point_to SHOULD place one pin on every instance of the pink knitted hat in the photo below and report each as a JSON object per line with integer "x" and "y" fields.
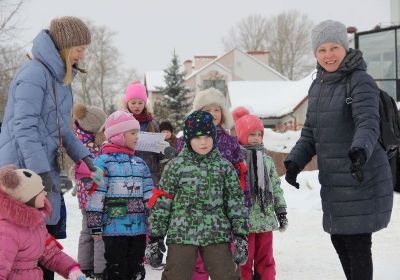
{"x": 245, "y": 123}
{"x": 117, "y": 124}
{"x": 136, "y": 90}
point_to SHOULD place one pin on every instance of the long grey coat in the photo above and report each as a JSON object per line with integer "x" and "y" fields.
{"x": 331, "y": 128}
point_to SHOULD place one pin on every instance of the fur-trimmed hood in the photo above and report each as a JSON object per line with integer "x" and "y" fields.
{"x": 21, "y": 214}
{"x": 214, "y": 96}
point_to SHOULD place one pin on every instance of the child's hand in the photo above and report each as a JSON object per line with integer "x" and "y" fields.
{"x": 154, "y": 251}
{"x": 241, "y": 251}
{"x": 283, "y": 222}
{"x": 97, "y": 176}
{"x": 161, "y": 145}
{"x": 76, "y": 274}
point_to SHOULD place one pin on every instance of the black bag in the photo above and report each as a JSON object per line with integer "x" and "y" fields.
{"x": 390, "y": 129}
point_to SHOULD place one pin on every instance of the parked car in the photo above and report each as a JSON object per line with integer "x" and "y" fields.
{"x": 65, "y": 183}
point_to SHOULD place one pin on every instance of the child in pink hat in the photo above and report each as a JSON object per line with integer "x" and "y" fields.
{"x": 117, "y": 210}
{"x": 268, "y": 212}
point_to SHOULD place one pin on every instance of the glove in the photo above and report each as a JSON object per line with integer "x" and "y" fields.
{"x": 358, "y": 159}
{"x": 292, "y": 169}
{"x": 154, "y": 251}
{"x": 240, "y": 252}
{"x": 283, "y": 222}
{"x": 48, "y": 184}
{"x": 89, "y": 162}
{"x": 76, "y": 274}
{"x": 161, "y": 145}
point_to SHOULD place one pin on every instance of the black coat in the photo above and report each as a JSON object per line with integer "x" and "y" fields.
{"x": 331, "y": 128}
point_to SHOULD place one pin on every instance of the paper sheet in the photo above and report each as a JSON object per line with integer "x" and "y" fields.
{"x": 147, "y": 140}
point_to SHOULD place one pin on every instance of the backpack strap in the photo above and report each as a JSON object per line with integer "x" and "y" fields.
{"x": 349, "y": 99}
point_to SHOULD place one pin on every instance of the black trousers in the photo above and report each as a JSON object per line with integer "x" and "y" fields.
{"x": 355, "y": 255}
{"x": 48, "y": 274}
{"x": 124, "y": 256}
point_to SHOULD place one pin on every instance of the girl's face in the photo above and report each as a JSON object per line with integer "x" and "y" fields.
{"x": 77, "y": 53}
{"x": 136, "y": 106}
{"x": 330, "y": 56}
{"x": 202, "y": 144}
{"x": 214, "y": 110}
{"x": 168, "y": 134}
{"x": 255, "y": 137}
{"x": 39, "y": 201}
{"x": 131, "y": 137}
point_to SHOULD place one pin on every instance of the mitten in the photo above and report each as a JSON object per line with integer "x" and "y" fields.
{"x": 48, "y": 184}
{"x": 241, "y": 252}
{"x": 154, "y": 251}
{"x": 358, "y": 159}
{"x": 292, "y": 169}
{"x": 89, "y": 162}
{"x": 283, "y": 222}
{"x": 161, "y": 145}
{"x": 76, "y": 274}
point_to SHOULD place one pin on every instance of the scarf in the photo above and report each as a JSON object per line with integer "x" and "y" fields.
{"x": 142, "y": 118}
{"x": 111, "y": 148}
{"x": 260, "y": 183}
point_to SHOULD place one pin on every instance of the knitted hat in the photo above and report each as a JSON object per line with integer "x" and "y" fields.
{"x": 136, "y": 90}
{"x": 117, "y": 124}
{"x": 329, "y": 31}
{"x": 214, "y": 96}
{"x": 69, "y": 32}
{"x": 89, "y": 118}
{"x": 199, "y": 123}
{"x": 245, "y": 123}
{"x": 166, "y": 126}
{"x": 20, "y": 184}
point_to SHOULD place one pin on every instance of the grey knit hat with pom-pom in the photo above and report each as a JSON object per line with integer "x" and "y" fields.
{"x": 329, "y": 31}
{"x": 69, "y": 32}
{"x": 89, "y": 118}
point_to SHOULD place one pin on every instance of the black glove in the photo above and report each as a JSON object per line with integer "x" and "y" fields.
{"x": 358, "y": 159}
{"x": 241, "y": 251}
{"x": 292, "y": 169}
{"x": 283, "y": 222}
{"x": 48, "y": 183}
{"x": 89, "y": 162}
{"x": 154, "y": 251}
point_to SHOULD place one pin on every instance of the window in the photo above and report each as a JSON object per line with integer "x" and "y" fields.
{"x": 219, "y": 84}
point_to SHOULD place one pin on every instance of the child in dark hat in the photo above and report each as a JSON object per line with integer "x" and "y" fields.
{"x": 198, "y": 183}
{"x": 168, "y": 129}
{"x": 25, "y": 241}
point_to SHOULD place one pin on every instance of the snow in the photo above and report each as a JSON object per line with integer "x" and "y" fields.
{"x": 280, "y": 142}
{"x": 273, "y": 98}
{"x": 304, "y": 250}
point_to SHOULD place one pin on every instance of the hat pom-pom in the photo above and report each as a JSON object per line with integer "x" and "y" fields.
{"x": 8, "y": 177}
{"x": 134, "y": 82}
{"x": 239, "y": 112}
{"x": 79, "y": 111}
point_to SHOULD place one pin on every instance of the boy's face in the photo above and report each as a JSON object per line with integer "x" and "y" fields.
{"x": 202, "y": 144}
{"x": 168, "y": 134}
{"x": 255, "y": 137}
{"x": 131, "y": 137}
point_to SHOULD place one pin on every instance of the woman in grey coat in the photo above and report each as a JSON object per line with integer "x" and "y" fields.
{"x": 38, "y": 110}
{"x": 354, "y": 172}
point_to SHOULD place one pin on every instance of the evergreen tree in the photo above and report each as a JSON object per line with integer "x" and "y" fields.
{"x": 174, "y": 105}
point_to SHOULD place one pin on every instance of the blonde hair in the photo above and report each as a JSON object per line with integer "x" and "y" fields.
{"x": 65, "y": 53}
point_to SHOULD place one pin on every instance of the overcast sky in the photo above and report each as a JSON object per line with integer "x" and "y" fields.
{"x": 149, "y": 30}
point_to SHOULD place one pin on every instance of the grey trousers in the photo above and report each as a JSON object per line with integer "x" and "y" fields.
{"x": 90, "y": 251}
{"x": 217, "y": 258}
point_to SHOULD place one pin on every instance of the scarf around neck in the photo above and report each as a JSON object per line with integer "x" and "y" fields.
{"x": 260, "y": 183}
{"x": 142, "y": 118}
{"x": 112, "y": 148}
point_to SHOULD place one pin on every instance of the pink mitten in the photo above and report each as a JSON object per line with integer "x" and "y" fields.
{"x": 82, "y": 170}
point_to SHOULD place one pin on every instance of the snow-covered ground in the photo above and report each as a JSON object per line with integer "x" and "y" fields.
{"x": 304, "y": 251}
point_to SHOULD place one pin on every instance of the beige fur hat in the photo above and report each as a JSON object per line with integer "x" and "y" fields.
{"x": 20, "y": 184}
{"x": 89, "y": 118}
{"x": 214, "y": 96}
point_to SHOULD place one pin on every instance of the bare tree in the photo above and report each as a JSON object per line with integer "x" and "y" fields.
{"x": 106, "y": 77}
{"x": 249, "y": 34}
{"x": 289, "y": 44}
{"x": 10, "y": 22}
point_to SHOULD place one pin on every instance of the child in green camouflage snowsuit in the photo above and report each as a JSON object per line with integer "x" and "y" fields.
{"x": 199, "y": 207}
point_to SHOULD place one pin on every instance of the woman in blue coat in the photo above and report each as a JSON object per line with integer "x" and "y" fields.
{"x": 38, "y": 110}
{"x": 354, "y": 171}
